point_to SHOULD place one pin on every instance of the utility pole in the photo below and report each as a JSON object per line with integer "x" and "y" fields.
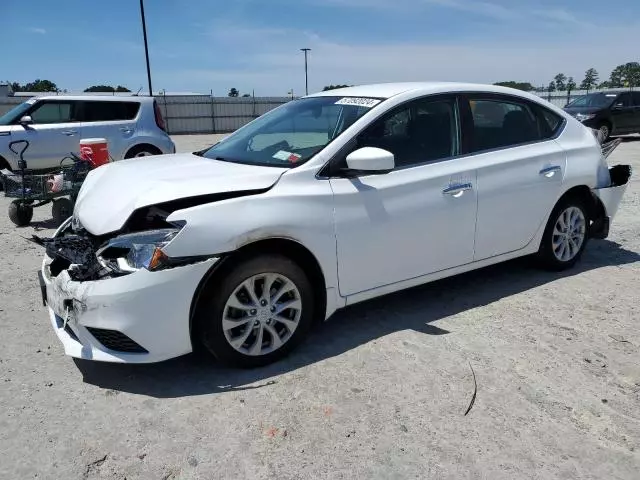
{"x": 306, "y": 76}
{"x": 146, "y": 48}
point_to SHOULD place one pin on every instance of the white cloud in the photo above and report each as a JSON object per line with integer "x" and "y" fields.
{"x": 38, "y": 30}
{"x": 277, "y": 65}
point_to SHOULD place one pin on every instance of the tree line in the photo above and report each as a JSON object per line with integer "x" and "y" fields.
{"x": 39, "y": 85}
{"x": 623, "y": 76}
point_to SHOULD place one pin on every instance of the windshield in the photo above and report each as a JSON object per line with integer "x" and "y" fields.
{"x": 594, "y": 100}
{"x": 293, "y": 133}
{"x": 15, "y": 112}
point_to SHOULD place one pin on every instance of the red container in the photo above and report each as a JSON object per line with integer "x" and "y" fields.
{"x": 95, "y": 151}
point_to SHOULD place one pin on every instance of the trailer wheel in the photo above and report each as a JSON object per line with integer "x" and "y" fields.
{"x": 61, "y": 210}
{"x": 20, "y": 213}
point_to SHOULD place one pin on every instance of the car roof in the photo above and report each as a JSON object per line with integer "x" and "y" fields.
{"x": 388, "y": 90}
{"x": 101, "y": 98}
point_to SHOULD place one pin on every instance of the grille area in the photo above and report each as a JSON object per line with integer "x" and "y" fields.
{"x": 117, "y": 341}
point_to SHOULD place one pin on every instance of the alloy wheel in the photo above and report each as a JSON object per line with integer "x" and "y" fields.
{"x": 568, "y": 234}
{"x": 261, "y": 314}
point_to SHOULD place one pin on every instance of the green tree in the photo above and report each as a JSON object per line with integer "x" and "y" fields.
{"x": 571, "y": 84}
{"x": 106, "y": 88}
{"x": 35, "y": 86}
{"x": 526, "y": 86}
{"x": 560, "y": 81}
{"x": 605, "y": 84}
{"x": 246, "y": 95}
{"x": 627, "y": 75}
{"x": 590, "y": 80}
{"x": 100, "y": 88}
{"x": 333, "y": 87}
{"x": 551, "y": 87}
{"x": 234, "y": 92}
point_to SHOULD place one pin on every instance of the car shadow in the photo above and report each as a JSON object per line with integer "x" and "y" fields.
{"x": 49, "y": 224}
{"x": 630, "y": 138}
{"x": 416, "y": 309}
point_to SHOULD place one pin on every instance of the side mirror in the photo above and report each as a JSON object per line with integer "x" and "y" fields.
{"x": 371, "y": 160}
{"x": 618, "y": 106}
{"x": 26, "y": 120}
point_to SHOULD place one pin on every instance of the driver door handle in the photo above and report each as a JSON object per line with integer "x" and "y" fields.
{"x": 457, "y": 189}
{"x": 550, "y": 171}
{"x": 69, "y": 133}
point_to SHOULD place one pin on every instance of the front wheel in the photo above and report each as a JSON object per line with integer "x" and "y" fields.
{"x": 565, "y": 236}
{"x": 20, "y": 213}
{"x": 256, "y": 313}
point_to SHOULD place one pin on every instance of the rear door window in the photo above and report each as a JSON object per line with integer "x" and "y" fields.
{"x": 53, "y": 111}
{"x": 96, "y": 111}
{"x": 623, "y": 100}
{"x": 635, "y": 96}
{"x": 501, "y": 123}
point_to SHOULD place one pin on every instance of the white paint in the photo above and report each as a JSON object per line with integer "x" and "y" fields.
{"x": 371, "y": 235}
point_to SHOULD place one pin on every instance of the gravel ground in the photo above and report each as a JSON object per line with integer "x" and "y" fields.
{"x": 380, "y": 391}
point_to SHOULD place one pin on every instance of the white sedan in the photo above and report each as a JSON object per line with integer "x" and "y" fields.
{"x": 324, "y": 202}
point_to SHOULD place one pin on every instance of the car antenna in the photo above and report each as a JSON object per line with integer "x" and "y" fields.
{"x": 137, "y": 93}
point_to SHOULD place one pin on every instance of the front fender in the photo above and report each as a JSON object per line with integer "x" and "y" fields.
{"x": 302, "y": 213}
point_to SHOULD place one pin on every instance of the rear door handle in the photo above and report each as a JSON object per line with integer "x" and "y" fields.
{"x": 126, "y": 130}
{"x": 69, "y": 133}
{"x": 550, "y": 171}
{"x": 457, "y": 189}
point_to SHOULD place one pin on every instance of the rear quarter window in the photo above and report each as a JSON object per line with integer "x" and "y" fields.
{"x": 95, "y": 111}
{"x": 551, "y": 122}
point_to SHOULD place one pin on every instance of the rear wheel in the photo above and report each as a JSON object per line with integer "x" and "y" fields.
{"x": 256, "y": 313}
{"x": 142, "y": 151}
{"x": 566, "y": 234}
{"x": 20, "y": 213}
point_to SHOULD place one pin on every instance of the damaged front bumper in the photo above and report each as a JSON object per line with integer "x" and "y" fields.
{"x": 142, "y": 317}
{"x": 610, "y": 198}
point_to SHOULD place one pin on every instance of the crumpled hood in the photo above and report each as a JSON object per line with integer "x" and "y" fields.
{"x": 112, "y": 192}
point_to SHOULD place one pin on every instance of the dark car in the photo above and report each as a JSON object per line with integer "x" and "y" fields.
{"x": 612, "y": 113}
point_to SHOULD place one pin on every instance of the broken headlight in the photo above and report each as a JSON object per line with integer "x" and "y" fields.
{"x": 133, "y": 251}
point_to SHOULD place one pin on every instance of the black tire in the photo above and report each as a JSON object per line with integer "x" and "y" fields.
{"x": 19, "y": 213}
{"x": 61, "y": 209}
{"x": 546, "y": 255}
{"x": 142, "y": 151}
{"x": 211, "y": 308}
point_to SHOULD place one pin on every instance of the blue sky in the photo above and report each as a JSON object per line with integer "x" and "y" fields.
{"x": 203, "y": 45}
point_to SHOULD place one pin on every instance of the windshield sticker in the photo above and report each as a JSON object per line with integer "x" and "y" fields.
{"x": 287, "y": 156}
{"x": 358, "y": 102}
{"x": 611, "y": 95}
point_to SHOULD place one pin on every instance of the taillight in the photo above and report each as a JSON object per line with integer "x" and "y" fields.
{"x": 158, "y": 114}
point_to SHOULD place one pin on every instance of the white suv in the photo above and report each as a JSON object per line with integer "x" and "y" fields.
{"x": 54, "y": 125}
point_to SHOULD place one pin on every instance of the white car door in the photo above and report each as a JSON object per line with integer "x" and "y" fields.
{"x": 520, "y": 171}
{"x": 54, "y": 133}
{"x": 419, "y": 218}
{"x": 114, "y": 121}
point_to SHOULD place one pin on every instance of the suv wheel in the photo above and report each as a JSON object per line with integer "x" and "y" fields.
{"x": 142, "y": 151}
{"x": 257, "y": 313}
